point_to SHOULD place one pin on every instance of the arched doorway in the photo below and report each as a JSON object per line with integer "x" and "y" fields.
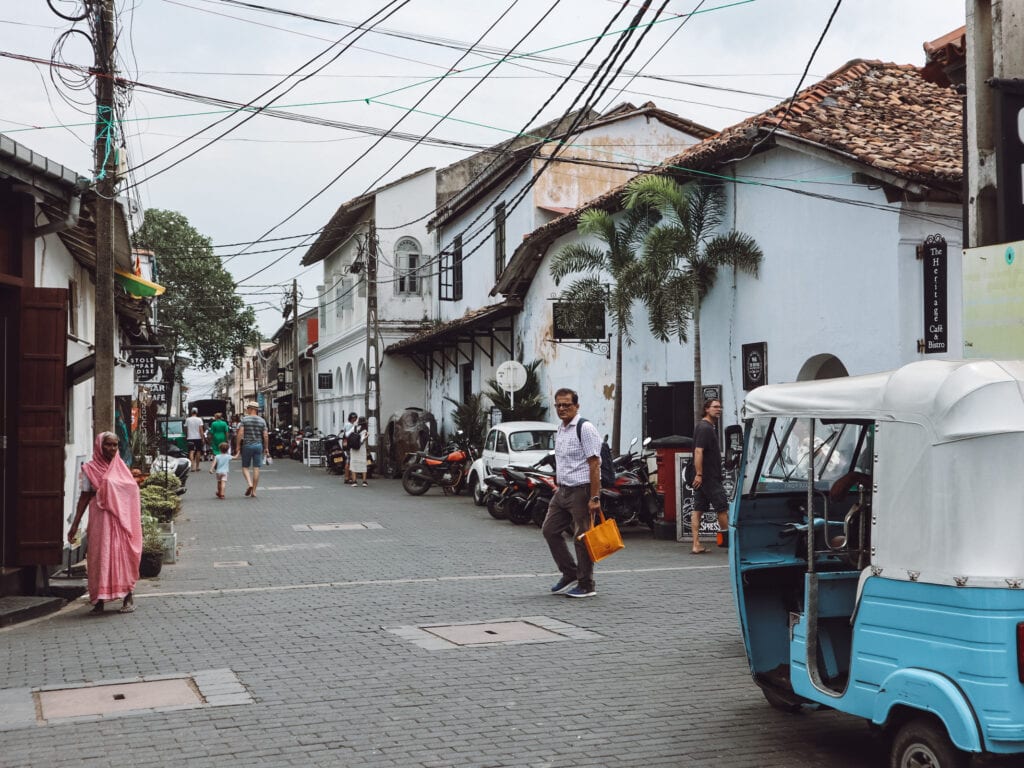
{"x": 823, "y": 366}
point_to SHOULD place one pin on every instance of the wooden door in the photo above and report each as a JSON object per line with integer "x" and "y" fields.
{"x": 40, "y": 425}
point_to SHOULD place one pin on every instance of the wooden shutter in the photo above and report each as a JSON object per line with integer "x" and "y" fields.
{"x": 41, "y": 414}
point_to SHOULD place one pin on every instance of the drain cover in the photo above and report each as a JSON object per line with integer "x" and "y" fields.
{"x": 336, "y": 526}
{"x": 499, "y": 632}
{"x": 108, "y": 699}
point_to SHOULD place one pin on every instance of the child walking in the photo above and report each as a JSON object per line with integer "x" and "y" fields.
{"x": 221, "y": 464}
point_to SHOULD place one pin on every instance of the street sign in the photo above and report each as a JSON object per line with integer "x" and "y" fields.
{"x": 144, "y": 365}
{"x": 935, "y": 295}
{"x": 511, "y": 377}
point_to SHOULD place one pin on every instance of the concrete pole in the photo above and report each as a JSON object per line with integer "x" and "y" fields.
{"x": 995, "y": 49}
{"x": 296, "y": 414}
{"x": 105, "y": 321}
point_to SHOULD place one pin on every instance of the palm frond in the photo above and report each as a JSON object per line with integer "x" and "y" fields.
{"x": 705, "y": 209}
{"x": 576, "y": 257}
{"x": 736, "y": 249}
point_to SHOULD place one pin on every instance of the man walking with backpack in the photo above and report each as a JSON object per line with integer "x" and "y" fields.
{"x": 578, "y": 498}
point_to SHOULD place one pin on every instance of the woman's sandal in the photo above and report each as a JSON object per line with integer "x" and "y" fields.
{"x": 128, "y": 604}
{"x": 701, "y": 551}
{"x": 98, "y": 607}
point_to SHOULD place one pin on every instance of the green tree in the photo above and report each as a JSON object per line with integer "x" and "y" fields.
{"x": 631, "y": 280}
{"x": 687, "y": 250}
{"x": 200, "y": 314}
{"x": 529, "y": 401}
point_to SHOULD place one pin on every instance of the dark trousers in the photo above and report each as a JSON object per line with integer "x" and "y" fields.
{"x": 568, "y": 512}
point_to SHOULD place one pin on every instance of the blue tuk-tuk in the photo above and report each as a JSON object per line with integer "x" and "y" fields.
{"x": 877, "y": 553}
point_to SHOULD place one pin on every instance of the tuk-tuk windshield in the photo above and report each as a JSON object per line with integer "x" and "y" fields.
{"x": 781, "y": 447}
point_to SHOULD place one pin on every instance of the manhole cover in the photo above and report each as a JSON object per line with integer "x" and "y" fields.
{"x": 232, "y": 564}
{"x": 499, "y": 632}
{"x": 336, "y": 526}
{"x": 108, "y": 699}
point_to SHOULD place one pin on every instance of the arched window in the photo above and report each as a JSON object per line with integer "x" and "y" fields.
{"x": 408, "y": 259}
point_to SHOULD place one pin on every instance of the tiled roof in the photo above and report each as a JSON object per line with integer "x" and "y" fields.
{"x": 883, "y": 116}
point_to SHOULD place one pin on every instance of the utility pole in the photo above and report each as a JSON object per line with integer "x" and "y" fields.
{"x": 295, "y": 354}
{"x": 372, "y": 402}
{"x": 995, "y": 121}
{"x": 105, "y": 324}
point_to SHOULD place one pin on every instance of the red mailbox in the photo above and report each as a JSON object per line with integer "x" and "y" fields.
{"x": 666, "y": 449}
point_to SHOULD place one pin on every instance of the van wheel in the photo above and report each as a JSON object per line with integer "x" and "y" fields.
{"x": 924, "y": 743}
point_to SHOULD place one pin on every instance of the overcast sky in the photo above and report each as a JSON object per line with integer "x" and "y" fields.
{"x": 265, "y": 171}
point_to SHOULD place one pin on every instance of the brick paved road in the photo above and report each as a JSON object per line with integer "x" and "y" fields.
{"x": 306, "y": 628}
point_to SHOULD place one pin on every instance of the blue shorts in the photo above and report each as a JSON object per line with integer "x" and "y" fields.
{"x": 195, "y": 445}
{"x": 252, "y": 455}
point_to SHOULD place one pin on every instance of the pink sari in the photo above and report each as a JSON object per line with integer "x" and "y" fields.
{"x": 115, "y": 526}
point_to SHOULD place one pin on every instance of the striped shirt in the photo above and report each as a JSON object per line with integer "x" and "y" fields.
{"x": 253, "y": 429}
{"x": 571, "y": 454}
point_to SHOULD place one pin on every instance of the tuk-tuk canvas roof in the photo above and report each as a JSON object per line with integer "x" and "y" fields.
{"x": 948, "y": 464}
{"x": 955, "y": 399}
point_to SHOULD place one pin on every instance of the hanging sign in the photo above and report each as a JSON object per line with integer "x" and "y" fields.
{"x": 935, "y": 298}
{"x": 755, "y": 365}
{"x": 144, "y": 365}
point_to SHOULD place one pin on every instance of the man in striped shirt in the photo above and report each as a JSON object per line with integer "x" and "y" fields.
{"x": 578, "y": 498}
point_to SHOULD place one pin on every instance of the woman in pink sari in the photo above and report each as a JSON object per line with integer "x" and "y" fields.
{"x": 115, "y": 525}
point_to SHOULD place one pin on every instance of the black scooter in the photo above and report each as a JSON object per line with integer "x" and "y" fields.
{"x": 335, "y": 455}
{"x": 174, "y": 462}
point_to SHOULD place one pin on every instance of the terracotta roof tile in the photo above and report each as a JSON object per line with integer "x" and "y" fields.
{"x": 886, "y": 116}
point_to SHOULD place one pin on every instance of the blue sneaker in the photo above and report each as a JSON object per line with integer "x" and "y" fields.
{"x": 581, "y": 592}
{"x": 564, "y": 585}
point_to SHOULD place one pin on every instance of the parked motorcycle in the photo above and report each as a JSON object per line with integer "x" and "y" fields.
{"x": 448, "y": 470}
{"x": 493, "y": 496}
{"x": 334, "y": 454}
{"x": 174, "y": 462}
{"x": 278, "y": 443}
{"x": 633, "y": 498}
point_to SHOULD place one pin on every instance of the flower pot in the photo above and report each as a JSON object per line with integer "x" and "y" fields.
{"x": 170, "y": 540}
{"x": 150, "y": 564}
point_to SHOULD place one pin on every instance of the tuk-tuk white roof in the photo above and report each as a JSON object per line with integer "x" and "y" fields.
{"x": 956, "y": 399}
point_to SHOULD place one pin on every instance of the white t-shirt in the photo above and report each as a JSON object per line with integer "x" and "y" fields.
{"x": 193, "y": 428}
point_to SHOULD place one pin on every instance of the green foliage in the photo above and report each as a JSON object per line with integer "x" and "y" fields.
{"x": 201, "y": 315}
{"x": 471, "y": 418}
{"x": 159, "y": 503}
{"x": 167, "y": 480}
{"x": 152, "y": 538}
{"x": 529, "y": 402}
{"x": 138, "y": 443}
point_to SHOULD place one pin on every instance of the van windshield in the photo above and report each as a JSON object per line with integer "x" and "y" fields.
{"x": 783, "y": 450}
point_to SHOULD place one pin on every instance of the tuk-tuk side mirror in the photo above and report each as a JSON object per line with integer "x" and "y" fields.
{"x": 733, "y": 445}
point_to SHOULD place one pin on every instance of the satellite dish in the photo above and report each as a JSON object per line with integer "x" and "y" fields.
{"x": 511, "y": 377}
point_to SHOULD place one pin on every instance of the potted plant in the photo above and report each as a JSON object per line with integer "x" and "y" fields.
{"x": 152, "y": 548}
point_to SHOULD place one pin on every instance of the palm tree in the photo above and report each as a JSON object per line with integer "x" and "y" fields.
{"x": 630, "y": 280}
{"x": 686, "y": 245}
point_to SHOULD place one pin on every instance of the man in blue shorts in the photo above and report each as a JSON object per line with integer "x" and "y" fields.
{"x": 253, "y": 443}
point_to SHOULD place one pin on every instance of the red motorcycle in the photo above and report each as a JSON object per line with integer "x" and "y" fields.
{"x": 448, "y": 470}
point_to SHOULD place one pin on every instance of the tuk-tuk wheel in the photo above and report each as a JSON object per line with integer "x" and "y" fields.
{"x": 780, "y": 702}
{"x": 924, "y": 743}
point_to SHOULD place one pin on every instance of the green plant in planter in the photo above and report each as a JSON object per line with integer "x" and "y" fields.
{"x": 152, "y": 538}
{"x": 167, "y": 480}
{"x": 161, "y": 507}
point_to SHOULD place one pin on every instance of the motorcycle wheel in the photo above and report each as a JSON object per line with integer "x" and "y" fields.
{"x": 413, "y": 484}
{"x": 538, "y": 512}
{"x": 518, "y": 514}
{"x": 495, "y": 509}
{"x": 478, "y": 495}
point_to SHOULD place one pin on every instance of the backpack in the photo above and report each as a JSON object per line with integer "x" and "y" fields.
{"x": 607, "y": 468}
{"x": 355, "y": 440}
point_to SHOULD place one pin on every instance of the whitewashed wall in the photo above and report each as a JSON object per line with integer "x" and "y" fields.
{"x": 837, "y": 279}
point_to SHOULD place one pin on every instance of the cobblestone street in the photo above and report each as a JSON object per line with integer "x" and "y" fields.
{"x": 308, "y": 647}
